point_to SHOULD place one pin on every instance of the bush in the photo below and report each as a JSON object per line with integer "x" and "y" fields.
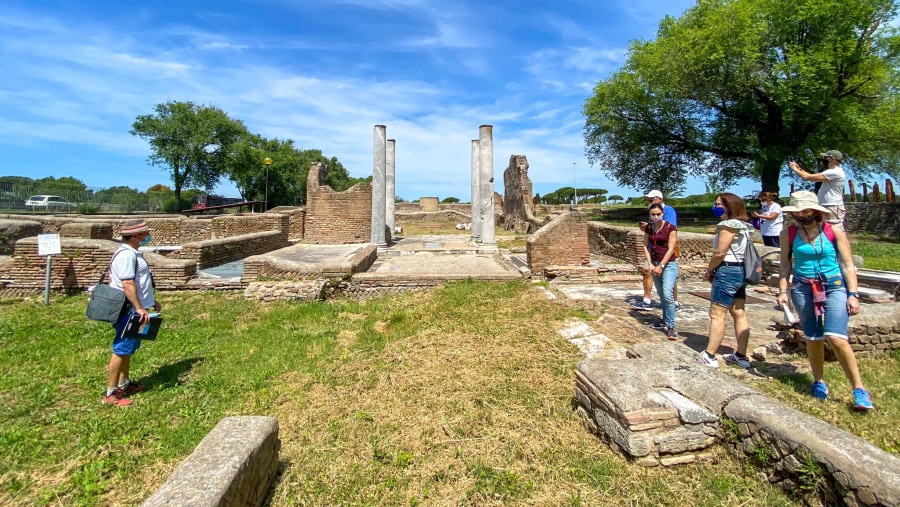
{"x": 88, "y": 208}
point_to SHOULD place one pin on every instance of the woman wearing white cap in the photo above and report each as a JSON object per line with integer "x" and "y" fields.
{"x": 824, "y": 290}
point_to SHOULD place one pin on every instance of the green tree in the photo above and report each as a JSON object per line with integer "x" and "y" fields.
{"x": 193, "y": 141}
{"x": 736, "y": 87}
{"x": 450, "y": 200}
{"x": 615, "y": 198}
{"x": 287, "y": 174}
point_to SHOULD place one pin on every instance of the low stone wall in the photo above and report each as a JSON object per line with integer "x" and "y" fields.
{"x": 431, "y": 217}
{"x": 296, "y": 220}
{"x": 167, "y": 230}
{"x": 304, "y": 290}
{"x": 283, "y": 268}
{"x": 215, "y": 252}
{"x": 875, "y": 332}
{"x": 662, "y": 408}
{"x": 564, "y": 241}
{"x": 879, "y": 218}
{"x": 80, "y": 265}
{"x": 234, "y": 465}
{"x": 87, "y": 230}
{"x": 626, "y": 243}
{"x": 14, "y": 230}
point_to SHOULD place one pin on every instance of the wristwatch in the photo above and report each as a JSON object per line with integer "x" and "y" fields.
{"x": 853, "y": 294}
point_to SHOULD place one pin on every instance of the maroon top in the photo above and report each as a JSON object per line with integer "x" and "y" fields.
{"x": 658, "y": 243}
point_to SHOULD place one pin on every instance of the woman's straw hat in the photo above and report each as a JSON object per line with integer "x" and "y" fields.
{"x": 804, "y": 199}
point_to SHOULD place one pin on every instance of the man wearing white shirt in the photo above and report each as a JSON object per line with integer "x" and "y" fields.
{"x": 831, "y": 193}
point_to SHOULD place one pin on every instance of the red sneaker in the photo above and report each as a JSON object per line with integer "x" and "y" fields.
{"x": 133, "y": 388}
{"x": 117, "y": 398}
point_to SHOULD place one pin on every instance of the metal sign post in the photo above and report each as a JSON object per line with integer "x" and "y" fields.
{"x": 49, "y": 245}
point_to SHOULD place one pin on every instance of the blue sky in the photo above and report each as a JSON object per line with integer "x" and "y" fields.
{"x": 74, "y": 75}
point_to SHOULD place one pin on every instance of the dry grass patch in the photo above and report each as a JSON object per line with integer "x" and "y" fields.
{"x": 475, "y": 411}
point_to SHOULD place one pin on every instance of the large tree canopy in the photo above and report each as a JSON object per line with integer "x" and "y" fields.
{"x": 193, "y": 141}
{"x": 734, "y": 88}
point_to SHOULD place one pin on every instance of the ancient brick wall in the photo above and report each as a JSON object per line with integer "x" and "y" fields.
{"x": 296, "y": 218}
{"x": 564, "y": 241}
{"x": 431, "y": 217}
{"x": 240, "y": 225}
{"x": 195, "y": 229}
{"x": 337, "y": 217}
{"x": 879, "y": 218}
{"x": 80, "y": 265}
{"x": 215, "y": 252}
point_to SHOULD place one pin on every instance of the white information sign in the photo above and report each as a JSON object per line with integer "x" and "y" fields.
{"x": 48, "y": 244}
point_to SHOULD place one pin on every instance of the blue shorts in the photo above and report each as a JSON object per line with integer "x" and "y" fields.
{"x": 836, "y": 318}
{"x": 728, "y": 285}
{"x": 124, "y": 346}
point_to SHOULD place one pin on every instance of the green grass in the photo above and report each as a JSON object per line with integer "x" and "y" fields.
{"x": 877, "y": 254}
{"x": 427, "y": 398}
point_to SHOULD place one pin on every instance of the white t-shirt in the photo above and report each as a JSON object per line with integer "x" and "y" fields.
{"x": 738, "y": 243}
{"x": 831, "y": 193}
{"x": 771, "y": 227}
{"x": 122, "y": 268}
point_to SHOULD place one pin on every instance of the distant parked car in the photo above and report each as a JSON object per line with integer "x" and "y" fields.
{"x": 49, "y": 202}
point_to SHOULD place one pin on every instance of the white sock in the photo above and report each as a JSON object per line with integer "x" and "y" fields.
{"x": 110, "y": 391}
{"x": 124, "y": 383}
{"x": 646, "y": 301}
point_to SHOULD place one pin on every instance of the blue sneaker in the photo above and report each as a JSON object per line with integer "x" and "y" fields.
{"x": 861, "y": 399}
{"x": 677, "y": 306}
{"x": 820, "y": 390}
{"x": 642, "y": 305}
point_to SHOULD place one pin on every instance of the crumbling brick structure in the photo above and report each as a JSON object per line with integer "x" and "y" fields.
{"x": 564, "y": 241}
{"x": 518, "y": 207}
{"x": 336, "y": 217}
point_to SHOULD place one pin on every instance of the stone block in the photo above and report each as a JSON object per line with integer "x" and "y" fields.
{"x": 234, "y": 465}
{"x": 633, "y": 444}
{"x": 688, "y": 411}
{"x": 87, "y": 230}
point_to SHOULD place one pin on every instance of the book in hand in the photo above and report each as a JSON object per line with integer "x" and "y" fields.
{"x": 148, "y": 331}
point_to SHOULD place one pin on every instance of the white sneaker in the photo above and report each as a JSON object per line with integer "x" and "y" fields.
{"x": 734, "y": 359}
{"x": 706, "y": 361}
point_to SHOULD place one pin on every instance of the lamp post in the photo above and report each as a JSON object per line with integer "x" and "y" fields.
{"x": 267, "y": 161}
{"x": 575, "y": 178}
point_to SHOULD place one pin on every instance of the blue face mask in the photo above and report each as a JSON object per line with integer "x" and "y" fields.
{"x": 718, "y": 211}
{"x": 146, "y": 240}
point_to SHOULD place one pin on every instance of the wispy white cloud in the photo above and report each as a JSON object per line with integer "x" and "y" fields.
{"x": 431, "y": 71}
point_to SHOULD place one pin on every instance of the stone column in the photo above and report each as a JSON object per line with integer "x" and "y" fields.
{"x": 476, "y": 193}
{"x": 486, "y": 181}
{"x": 378, "y": 187}
{"x": 390, "y": 192}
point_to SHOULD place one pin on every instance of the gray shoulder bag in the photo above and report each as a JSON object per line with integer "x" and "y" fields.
{"x": 107, "y": 303}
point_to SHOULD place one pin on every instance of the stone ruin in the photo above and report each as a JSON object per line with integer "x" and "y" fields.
{"x": 518, "y": 206}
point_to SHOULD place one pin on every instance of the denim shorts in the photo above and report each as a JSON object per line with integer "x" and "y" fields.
{"x": 124, "y": 346}
{"x": 836, "y": 317}
{"x": 728, "y": 285}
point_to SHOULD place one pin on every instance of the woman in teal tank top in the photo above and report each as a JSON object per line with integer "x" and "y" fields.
{"x": 823, "y": 289}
